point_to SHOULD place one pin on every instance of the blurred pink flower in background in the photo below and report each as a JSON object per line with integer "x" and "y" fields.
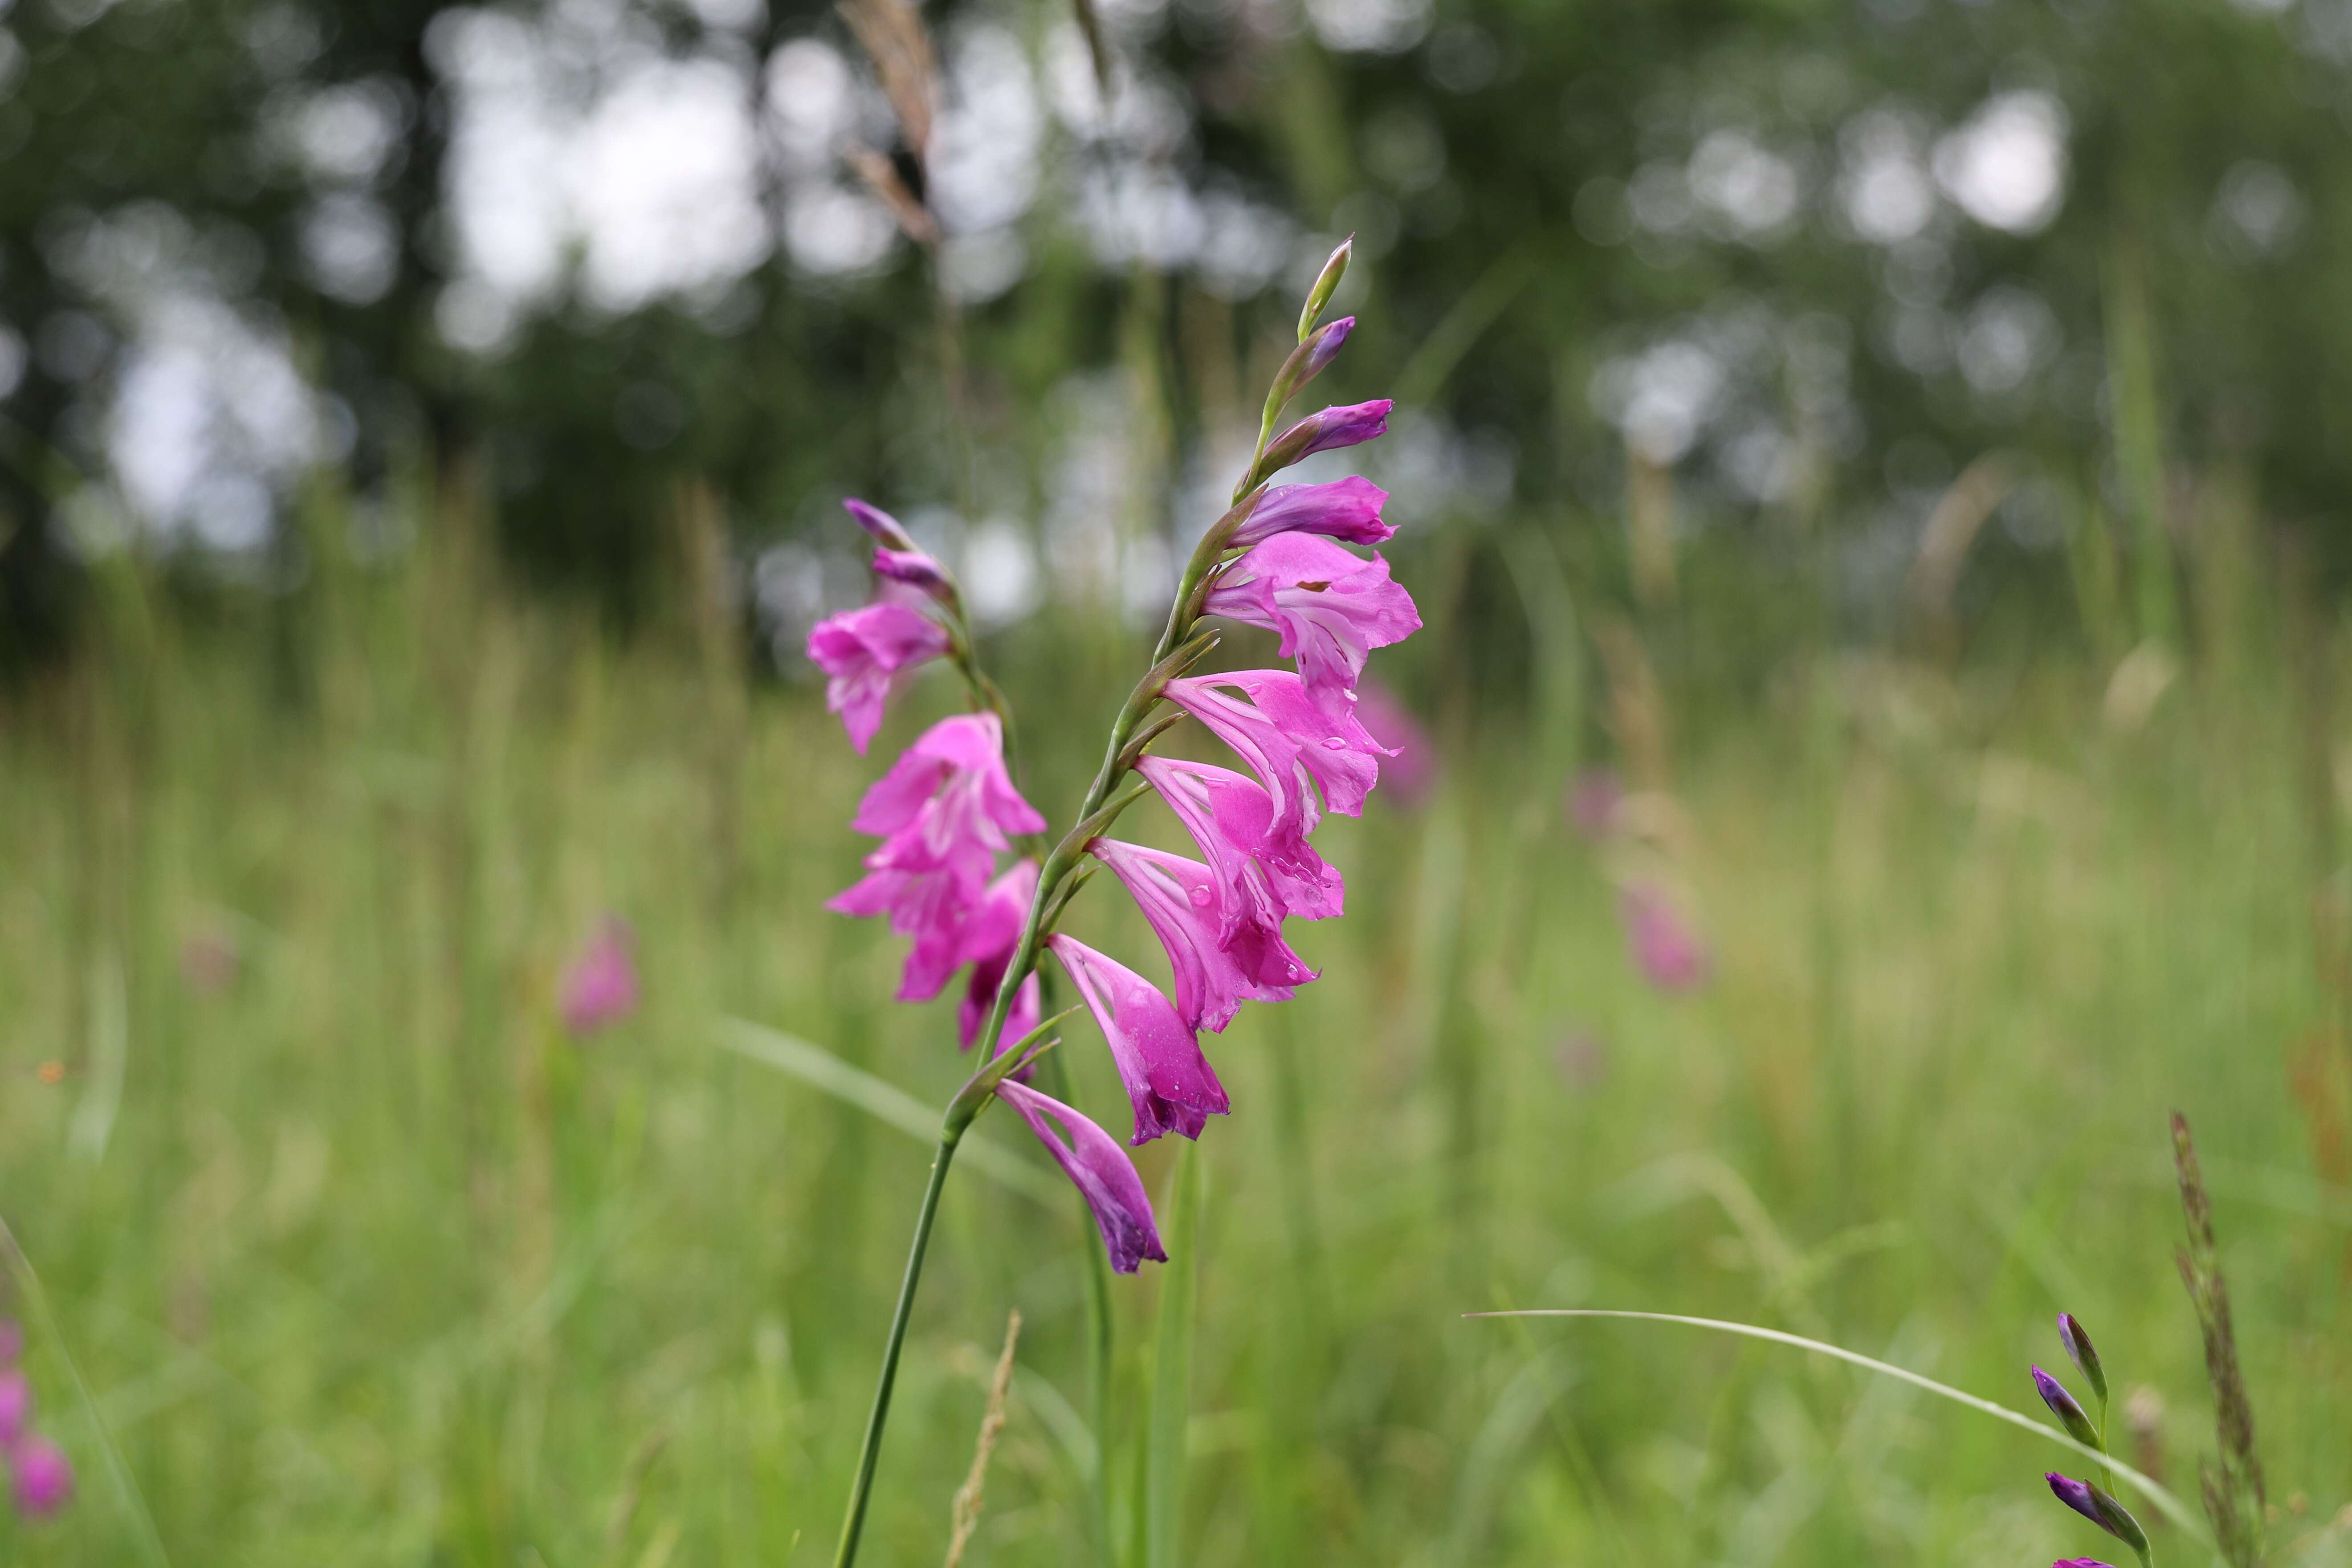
{"x": 1666, "y": 948}
{"x": 1582, "y": 1057}
{"x": 1593, "y": 799}
{"x": 209, "y": 961}
{"x": 1412, "y": 773}
{"x": 41, "y": 1480}
{"x": 599, "y": 986}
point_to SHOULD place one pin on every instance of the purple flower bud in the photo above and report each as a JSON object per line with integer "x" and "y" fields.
{"x": 2100, "y": 1510}
{"x": 1347, "y": 425}
{"x": 885, "y": 528}
{"x": 43, "y": 1478}
{"x": 15, "y": 1406}
{"x": 2079, "y": 1351}
{"x": 1320, "y": 349}
{"x": 917, "y": 570}
{"x": 1347, "y": 508}
{"x": 2062, "y": 1405}
{"x": 2076, "y": 1495}
{"x": 1327, "y": 283}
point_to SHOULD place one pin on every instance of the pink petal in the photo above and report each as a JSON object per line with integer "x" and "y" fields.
{"x": 1215, "y": 970}
{"x": 1102, "y": 1173}
{"x": 1232, "y": 819}
{"x": 1331, "y": 608}
{"x": 1157, "y": 1057}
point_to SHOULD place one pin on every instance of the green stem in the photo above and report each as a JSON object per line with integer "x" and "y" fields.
{"x": 854, "y": 1524}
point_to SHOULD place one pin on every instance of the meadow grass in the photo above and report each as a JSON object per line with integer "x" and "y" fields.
{"x": 365, "y": 1261}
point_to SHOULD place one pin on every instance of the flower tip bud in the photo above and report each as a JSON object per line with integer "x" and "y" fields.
{"x": 1327, "y": 283}
{"x": 2063, "y": 1405}
{"x": 884, "y": 528}
{"x": 2080, "y": 1350}
{"x": 2074, "y": 1494}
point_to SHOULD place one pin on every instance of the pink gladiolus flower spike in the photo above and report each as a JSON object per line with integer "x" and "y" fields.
{"x": 990, "y": 935}
{"x": 1158, "y": 1055}
{"x": 599, "y": 987}
{"x": 943, "y": 811}
{"x": 1215, "y": 971}
{"x": 865, "y": 656}
{"x": 43, "y": 1480}
{"x": 1102, "y": 1173}
{"x": 1232, "y": 819}
{"x": 1286, "y": 739}
{"x": 1332, "y": 609}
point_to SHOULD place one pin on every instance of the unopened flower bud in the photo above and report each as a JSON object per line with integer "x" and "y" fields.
{"x": 2100, "y": 1510}
{"x": 2076, "y": 1495}
{"x": 2079, "y": 1351}
{"x": 917, "y": 570}
{"x": 886, "y": 529}
{"x": 1321, "y": 432}
{"x": 2117, "y": 1520}
{"x": 2064, "y": 1407}
{"x": 1327, "y": 283}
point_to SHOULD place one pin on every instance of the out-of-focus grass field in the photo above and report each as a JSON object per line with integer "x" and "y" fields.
{"x": 365, "y": 1261}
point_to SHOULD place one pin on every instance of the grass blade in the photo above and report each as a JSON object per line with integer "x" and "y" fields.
{"x": 1172, "y": 1378}
{"x": 886, "y": 1102}
{"x": 2166, "y": 1503}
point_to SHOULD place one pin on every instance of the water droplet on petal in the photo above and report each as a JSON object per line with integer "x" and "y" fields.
{"x": 1200, "y": 897}
{"x": 1333, "y": 744}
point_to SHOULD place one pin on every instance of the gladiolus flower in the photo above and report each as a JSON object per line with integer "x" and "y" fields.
{"x": 600, "y": 987}
{"x": 989, "y": 934}
{"x": 943, "y": 811}
{"x": 885, "y": 529}
{"x": 1232, "y": 820}
{"x": 1670, "y": 954}
{"x": 1286, "y": 738}
{"x": 1330, "y": 606}
{"x": 865, "y": 655}
{"x": 1157, "y": 1057}
{"x": 929, "y": 906}
{"x": 1411, "y": 768}
{"x": 1347, "y": 508}
{"x": 1216, "y": 970}
{"x": 42, "y": 1479}
{"x": 2079, "y": 1562}
{"x": 15, "y": 1406}
{"x": 1326, "y": 431}
{"x": 1102, "y": 1173}
{"x": 948, "y": 800}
